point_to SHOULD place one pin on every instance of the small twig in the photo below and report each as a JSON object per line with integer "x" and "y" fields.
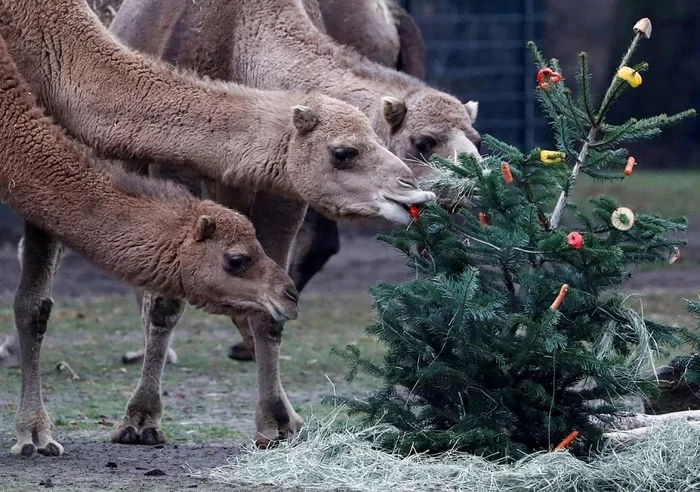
{"x": 486, "y": 243}
{"x": 63, "y": 365}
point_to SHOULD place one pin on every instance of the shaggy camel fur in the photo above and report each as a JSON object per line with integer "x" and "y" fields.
{"x": 125, "y": 105}
{"x": 157, "y": 236}
{"x": 273, "y": 44}
{"x": 381, "y": 30}
{"x": 385, "y": 33}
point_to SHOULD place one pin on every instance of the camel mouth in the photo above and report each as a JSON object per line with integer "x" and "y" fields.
{"x": 280, "y": 311}
{"x": 395, "y": 211}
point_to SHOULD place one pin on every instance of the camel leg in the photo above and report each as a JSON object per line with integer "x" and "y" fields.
{"x": 136, "y": 356}
{"x": 192, "y": 182}
{"x": 32, "y": 309}
{"x": 317, "y": 241}
{"x": 9, "y": 351}
{"x": 9, "y": 348}
{"x": 277, "y": 222}
{"x": 275, "y": 418}
{"x": 141, "y": 424}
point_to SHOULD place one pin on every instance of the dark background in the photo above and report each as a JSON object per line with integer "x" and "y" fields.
{"x": 476, "y": 50}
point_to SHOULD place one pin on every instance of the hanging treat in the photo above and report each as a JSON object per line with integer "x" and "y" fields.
{"x": 631, "y": 162}
{"x": 482, "y": 218}
{"x": 643, "y": 27}
{"x": 507, "y": 175}
{"x": 674, "y": 256}
{"x": 575, "y": 240}
{"x": 413, "y": 212}
{"x": 622, "y": 219}
{"x": 546, "y": 75}
{"x": 560, "y": 298}
{"x": 552, "y": 156}
{"x": 631, "y": 76}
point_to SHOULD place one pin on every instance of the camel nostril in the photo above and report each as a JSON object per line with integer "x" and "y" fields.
{"x": 291, "y": 294}
{"x": 412, "y": 184}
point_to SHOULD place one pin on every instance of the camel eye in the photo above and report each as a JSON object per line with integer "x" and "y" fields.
{"x": 425, "y": 144}
{"x": 343, "y": 155}
{"x": 236, "y": 264}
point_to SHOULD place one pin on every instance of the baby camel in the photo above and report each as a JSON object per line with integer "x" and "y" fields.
{"x": 154, "y": 236}
{"x": 305, "y": 147}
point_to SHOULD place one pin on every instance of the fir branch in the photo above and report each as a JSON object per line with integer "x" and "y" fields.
{"x": 590, "y": 139}
{"x": 616, "y": 81}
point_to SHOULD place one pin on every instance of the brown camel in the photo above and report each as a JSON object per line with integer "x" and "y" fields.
{"x": 273, "y": 44}
{"x": 157, "y": 236}
{"x": 381, "y": 30}
{"x": 126, "y": 105}
{"x": 385, "y": 33}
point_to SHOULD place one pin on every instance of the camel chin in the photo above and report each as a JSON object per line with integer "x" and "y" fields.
{"x": 396, "y": 209}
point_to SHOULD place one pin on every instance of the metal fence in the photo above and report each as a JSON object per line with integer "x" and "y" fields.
{"x": 476, "y": 50}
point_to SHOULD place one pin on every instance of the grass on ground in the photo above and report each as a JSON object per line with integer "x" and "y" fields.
{"x": 209, "y": 397}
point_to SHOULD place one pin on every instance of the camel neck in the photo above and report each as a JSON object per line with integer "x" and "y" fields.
{"x": 132, "y": 107}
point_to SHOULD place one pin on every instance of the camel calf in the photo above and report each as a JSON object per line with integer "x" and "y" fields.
{"x": 151, "y": 235}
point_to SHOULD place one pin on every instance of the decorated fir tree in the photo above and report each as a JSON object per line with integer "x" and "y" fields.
{"x": 515, "y": 332}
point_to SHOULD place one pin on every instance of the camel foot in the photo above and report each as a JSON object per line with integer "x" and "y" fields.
{"x": 136, "y": 357}
{"x": 240, "y": 352}
{"x": 48, "y": 447}
{"x": 51, "y": 449}
{"x": 148, "y": 436}
{"x": 9, "y": 352}
{"x": 276, "y": 422}
{"x": 130, "y": 434}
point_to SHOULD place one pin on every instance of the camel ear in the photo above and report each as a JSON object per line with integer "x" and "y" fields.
{"x": 472, "y": 108}
{"x": 304, "y": 118}
{"x": 204, "y": 228}
{"x": 394, "y": 111}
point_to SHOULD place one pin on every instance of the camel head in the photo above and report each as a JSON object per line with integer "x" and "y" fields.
{"x": 338, "y": 165}
{"x": 430, "y": 122}
{"x": 225, "y": 270}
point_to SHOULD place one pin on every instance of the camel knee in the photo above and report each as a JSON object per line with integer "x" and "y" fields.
{"x": 164, "y": 312}
{"x": 32, "y": 313}
{"x": 270, "y": 331}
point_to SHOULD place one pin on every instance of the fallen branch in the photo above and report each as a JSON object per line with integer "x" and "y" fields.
{"x": 637, "y": 420}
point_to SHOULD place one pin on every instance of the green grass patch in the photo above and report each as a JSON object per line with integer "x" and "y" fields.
{"x": 669, "y": 193}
